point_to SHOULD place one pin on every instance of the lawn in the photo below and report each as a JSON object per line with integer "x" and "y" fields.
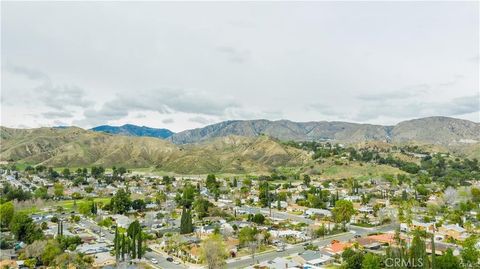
{"x": 65, "y": 204}
{"x": 354, "y": 169}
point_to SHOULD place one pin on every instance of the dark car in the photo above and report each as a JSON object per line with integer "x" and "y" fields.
{"x": 170, "y": 259}
{"x": 357, "y": 236}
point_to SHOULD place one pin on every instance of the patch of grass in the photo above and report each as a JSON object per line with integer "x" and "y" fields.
{"x": 30, "y": 210}
{"x": 365, "y": 225}
{"x": 22, "y": 165}
{"x": 67, "y": 205}
{"x": 357, "y": 170}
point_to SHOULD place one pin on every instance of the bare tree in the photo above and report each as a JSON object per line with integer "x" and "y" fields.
{"x": 450, "y": 196}
{"x": 36, "y": 249}
{"x": 252, "y": 246}
{"x": 213, "y": 251}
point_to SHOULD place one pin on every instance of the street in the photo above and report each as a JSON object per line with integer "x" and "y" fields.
{"x": 162, "y": 260}
{"x": 240, "y": 263}
{"x": 247, "y": 261}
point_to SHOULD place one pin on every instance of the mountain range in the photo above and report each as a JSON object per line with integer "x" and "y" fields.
{"x": 226, "y": 147}
{"x": 431, "y": 130}
{"x": 76, "y": 147}
{"x": 133, "y": 130}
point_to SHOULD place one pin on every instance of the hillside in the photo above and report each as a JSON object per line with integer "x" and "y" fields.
{"x": 285, "y": 130}
{"x": 134, "y": 130}
{"x": 432, "y": 130}
{"x": 437, "y": 130}
{"x": 77, "y": 147}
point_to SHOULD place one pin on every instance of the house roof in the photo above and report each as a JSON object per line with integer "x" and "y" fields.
{"x": 310, "y": 255}
{"x": 454, "y": 227}
{"x": 383, "y": 238}
{"x": 8, "y": 264}
{"x": 338, "y": 247}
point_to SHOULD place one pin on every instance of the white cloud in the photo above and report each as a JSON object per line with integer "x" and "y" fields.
{"x": 206, "y": 62}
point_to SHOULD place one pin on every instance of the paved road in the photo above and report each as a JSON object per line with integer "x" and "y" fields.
{"x": 235, "y": 263}
{"x": 276, "y": 214}
{"x": 162, "y": 262}
{"x": 244, "y": 262}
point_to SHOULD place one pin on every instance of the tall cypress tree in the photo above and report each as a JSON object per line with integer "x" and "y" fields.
{"x": 116, "y": 242}
{"x": 418, "y": 252}
{"x": 139, "y": 244}
{"x": 127, "y": 246}
{"x": 186, "y": 225}
{"x": 123, "y": 247}
{"x": 133, "y": 248}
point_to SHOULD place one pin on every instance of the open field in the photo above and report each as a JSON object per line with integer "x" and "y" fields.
{"x": 65, "y": 204}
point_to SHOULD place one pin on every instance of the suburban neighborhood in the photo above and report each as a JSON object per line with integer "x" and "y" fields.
{"x": 116, "y": 217}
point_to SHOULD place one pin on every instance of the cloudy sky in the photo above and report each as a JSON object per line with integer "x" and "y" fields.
{"x": 185, "y": 65}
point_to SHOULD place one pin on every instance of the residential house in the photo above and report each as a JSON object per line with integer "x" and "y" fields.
{"x": 337, "y": 247}
{"x": 277, "y": 263}
{"x": 318, "y": 212}
{"x": 454, "y": 231}
{"x": 311, "y": 258}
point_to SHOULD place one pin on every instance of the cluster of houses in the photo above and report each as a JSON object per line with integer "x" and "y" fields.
{"x": 288, "y": 222}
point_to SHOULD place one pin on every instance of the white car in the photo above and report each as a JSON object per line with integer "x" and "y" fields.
{"x": 154, "y": 261}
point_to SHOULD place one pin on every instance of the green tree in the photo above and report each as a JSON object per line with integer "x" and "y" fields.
{"x": 306, "y": 180}
{"x": 134, "y": 233}
{"x": 121, "y": 171}
{"x": 246, "y": 235}
{"x": 447, "y": 261}
{"x": 418, "y": 252}
{"x": 97, "y": 172}
{"x": 6, "y": 213}
{"x": 120, "y": 203}
{"x": 139, "y": 205}
{"x": 116, "y": 244}
{"x": 52, "y": 250}
{"x": 475, "y": 195}
{"x": 470, "y": 253}
{"x": 352, "y": 259}
{"x": 139, "y": 244}
{"x": 58, "y": 189}
{"x": 186, "y": 225}
{"x": 24, "y": 229}
{"x": 201, "y": 207}
{"x": 343, "y": 212}
{"x": 211, "y": 183}
{"x": 371, "y": 261}
{"x": 258, "y": 218}
{"x": 41, "y": 192}
{"x": 160, "y": 197}
{"x": 66, "y": 173}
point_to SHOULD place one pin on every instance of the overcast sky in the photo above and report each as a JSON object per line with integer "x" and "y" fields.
{"x": 186, "y": 65}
